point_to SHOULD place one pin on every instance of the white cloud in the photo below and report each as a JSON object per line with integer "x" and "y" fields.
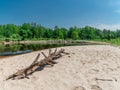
{"x": 117, "y": 11}
{"x": 107, "y": 26}
{"x": 114, "y": 2}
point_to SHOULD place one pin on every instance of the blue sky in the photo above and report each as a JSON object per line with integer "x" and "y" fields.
{"x": 64, "y": 13}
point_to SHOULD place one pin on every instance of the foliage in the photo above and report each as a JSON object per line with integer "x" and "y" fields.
{"x": 33, "y": 31}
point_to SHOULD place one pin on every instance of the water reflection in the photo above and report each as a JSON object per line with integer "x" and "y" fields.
{"x": 35, "y": 47}
{"x": 22, "y": 47}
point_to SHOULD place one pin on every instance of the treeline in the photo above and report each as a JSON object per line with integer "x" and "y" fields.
{"x": 33, "y": 31}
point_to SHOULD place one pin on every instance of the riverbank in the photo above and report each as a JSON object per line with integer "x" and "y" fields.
{"x": 54, "y": 42}
{"x": 43, "y": 44}
{"x": 92, "y": 66}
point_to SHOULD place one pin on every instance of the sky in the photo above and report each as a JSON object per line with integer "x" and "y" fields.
{"x": 102, "y": 14}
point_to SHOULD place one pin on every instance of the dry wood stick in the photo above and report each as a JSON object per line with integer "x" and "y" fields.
{"x": 23, "y": 73}
{"x": 35, "y": 59}
{"x": 49, "y": 51}
{"x": 44, "y": 54}
{"x": 55, "y": 50}
{"x": 103, "y": 79}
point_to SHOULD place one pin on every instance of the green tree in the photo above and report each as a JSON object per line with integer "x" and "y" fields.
{"x": 73, "y": 33}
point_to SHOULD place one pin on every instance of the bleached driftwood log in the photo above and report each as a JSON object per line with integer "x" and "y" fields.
{"x": 48, "y": 60}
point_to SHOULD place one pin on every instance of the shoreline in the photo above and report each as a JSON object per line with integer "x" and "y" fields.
{"x": 53, "y": 42}
{"x": 79, "y": 69}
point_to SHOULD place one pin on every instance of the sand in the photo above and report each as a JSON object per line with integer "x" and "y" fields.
{"x": 77, "y": 71}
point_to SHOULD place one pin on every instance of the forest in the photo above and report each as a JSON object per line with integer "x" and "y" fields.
{"x": 33, "y": 31}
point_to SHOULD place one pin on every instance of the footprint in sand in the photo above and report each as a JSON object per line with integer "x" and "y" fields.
{"x": 79, "y": 88}
{"x": 96, "y": 87}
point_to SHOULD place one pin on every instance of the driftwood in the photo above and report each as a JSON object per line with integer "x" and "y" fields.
{"x": 98, "y": 79}
{"x": 48, "y": 60}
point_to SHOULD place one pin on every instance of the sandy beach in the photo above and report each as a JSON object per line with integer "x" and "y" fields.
{"x": 92, "y": 67}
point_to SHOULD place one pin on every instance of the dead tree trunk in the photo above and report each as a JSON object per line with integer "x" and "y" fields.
{"x": 48, "y": 60}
